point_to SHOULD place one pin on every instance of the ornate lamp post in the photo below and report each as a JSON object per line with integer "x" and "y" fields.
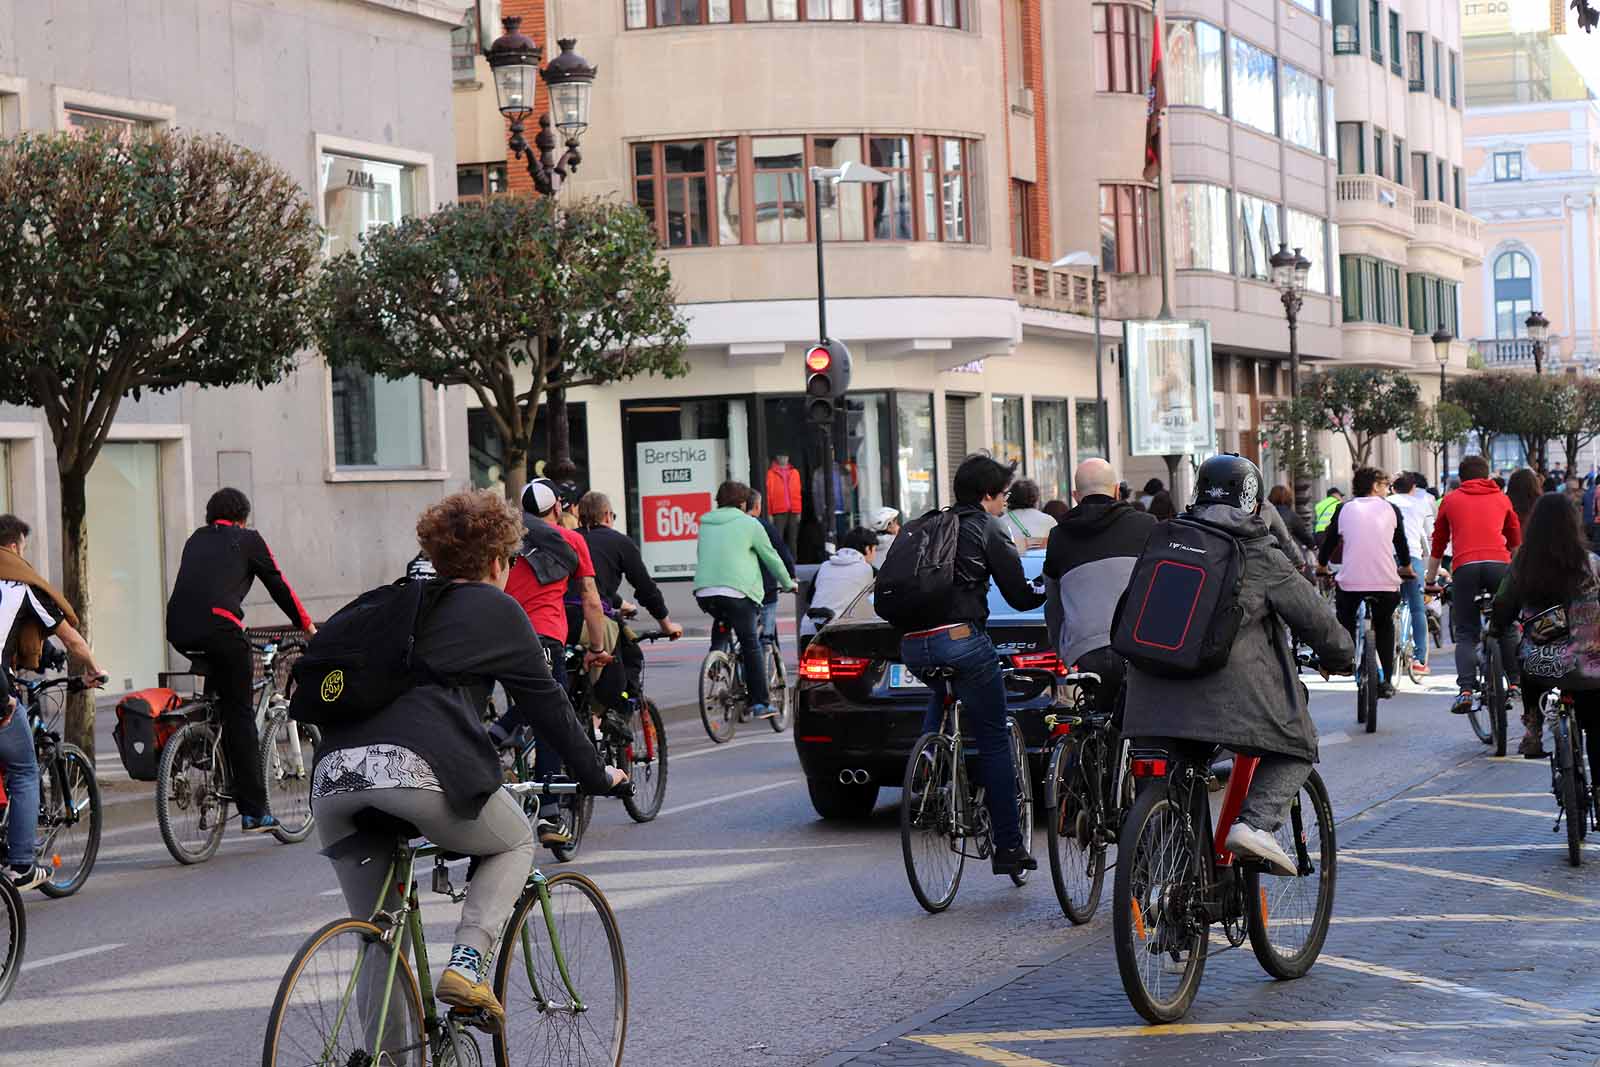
{"x": 1441, "y": 352}
{"x": 514, "y": 60}
{"x": 1289, "y": 273}
{"x": 1538, "y": 332}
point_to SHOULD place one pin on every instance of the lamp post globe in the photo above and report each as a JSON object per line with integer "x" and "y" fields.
{"x": 1289, "y": 272}
{"x": 1283, "y": 263}
{"x": 514, "y": 63}
{"x": 1538, "y": 332}
{"x": 570, "y": 79}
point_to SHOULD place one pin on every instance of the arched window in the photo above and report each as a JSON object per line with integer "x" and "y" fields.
{"x": 1513, "y": 294}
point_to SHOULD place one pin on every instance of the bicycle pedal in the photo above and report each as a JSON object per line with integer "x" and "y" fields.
{"x": 478, "y": 1019}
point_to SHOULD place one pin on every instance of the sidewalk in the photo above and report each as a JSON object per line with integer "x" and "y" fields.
{"x": 1460, "y": 935}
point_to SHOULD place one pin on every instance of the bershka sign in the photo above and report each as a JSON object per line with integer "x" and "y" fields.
{"x": 677, "y": 483}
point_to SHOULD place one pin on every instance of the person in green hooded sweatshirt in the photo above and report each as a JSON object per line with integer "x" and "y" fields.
{"x": 731, "y": 551}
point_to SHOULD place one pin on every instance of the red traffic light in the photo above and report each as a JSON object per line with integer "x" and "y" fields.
{"x": 819, "y": 359}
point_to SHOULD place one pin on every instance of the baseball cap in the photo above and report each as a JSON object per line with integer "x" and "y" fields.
{"x": 569, "y": 494}
{"x": 883, "y": 517}
{"x": 539, "y": 496}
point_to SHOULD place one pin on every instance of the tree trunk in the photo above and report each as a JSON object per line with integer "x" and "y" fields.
{"x": 75, "y": 586}
{"x": 558, "y": 435}
{"x": 516, "y": 469}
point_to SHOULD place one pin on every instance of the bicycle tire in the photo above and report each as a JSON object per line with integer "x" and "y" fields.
{"x": 1567, "y": 791}
{"x": 648, "y": 770}
{"x": 284, "y": 1027}
{"x": 583, "y": 1039}
{"x": 1155, "y": 813}
{"x": 1078, "y": 873}
{"x": 1019, "y": 766}
{"x": 66, "y": 880}
{"x": 717, "y": 705}
{"x": 928, "y": 830}
{"x": 777, "y": 690}
{"x": 576, "y": 819}
{"x": 1494, "y": 695}
{"x": 1323, "y": 855}
{"x": 194, "y": 796}
{"x": 1367, "y": 684}
{"x": 14, "y": 927}
{"x": 1480, "y": 717}
{"x": 288, "y": 788}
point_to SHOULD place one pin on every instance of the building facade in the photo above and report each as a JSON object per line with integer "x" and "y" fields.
{"x": 350, "y": 97}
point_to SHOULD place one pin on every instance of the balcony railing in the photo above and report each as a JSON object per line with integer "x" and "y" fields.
{"x": 1452, "y": 220}
{"x": 1366, "y": 199}
{"x": 1037, "y": 284}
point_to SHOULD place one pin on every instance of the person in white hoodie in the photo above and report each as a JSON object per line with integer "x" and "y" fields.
{"x": 842, "y": 578}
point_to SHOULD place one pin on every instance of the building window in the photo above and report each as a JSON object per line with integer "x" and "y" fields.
{"x": 1432, "y": 304}
{"x": 686, "y": 190}
{"x": 1455, "y": 175}
{"x": 1346, "y": 27}
{"x": 1371, "y": 290}
{"x": 1313, "y": 6}
{"x": 1329, "y": 121}
{"x": 1399, "y": 161}
{"x": 464, "y": 50}
{"x": 1302, "y": 118}
{"x": 1438, "y": 70}
{"x": 1050, "y": 460}
{"x": 1455, "y": 101}
{"x": 1440, "y": 190}
{"x": 893, "y": 202}
{"x": 1513, "y": 294}
{"x": 779, "y": 172}
{"x": 113, "y": 127}
{"x": 1194, "y": 61}
{"x": 1200, "y": 227}
{"x": 954, "y": 190}
{"x": 918, "y": 459}
{"x": 1352, "y": 149}
{"x": 1125, "y": 229}
{"x": 644, "y": 14}
{"x": 1419, "y": 174}
{"x": 1257, "y": 234}
{"x": 1121, "y": 48}
{"x": 1508, "y": 166}
{"x": 1394, "y": 42}
{"x": 477, "y": 182}
{"x": 1416, "y": 65}
{"x": 771, "y": 10}
{"x": 1255, "y": 86}
{"x": 945, "y": 13}
{"x": 842, "y": 211}
{"x": 1375, "y": 24}
{"x": 1022, "y": 219}
{"x": 830, "y": 10}
{"x": 1378, "y": 152}
{"x": 1309, "y": 234}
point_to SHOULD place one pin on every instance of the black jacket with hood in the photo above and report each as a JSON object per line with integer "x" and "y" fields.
{"x": 1086, "y": 566}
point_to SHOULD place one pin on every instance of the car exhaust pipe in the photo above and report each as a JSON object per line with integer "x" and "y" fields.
{"x": 854, "y": 777}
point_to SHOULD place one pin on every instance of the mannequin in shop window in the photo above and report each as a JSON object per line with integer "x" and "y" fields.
{"x": 783, "y": 499}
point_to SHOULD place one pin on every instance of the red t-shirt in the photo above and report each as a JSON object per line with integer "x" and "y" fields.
{"x": 544, "y": 603}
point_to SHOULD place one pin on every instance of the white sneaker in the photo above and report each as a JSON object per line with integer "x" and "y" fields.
{"x": 1245, "y": 840}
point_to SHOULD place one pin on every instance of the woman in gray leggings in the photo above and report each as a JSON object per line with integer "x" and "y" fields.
{"x": 426, "y": 759}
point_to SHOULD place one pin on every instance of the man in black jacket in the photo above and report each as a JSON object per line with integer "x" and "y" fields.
{"x": 616, "y": 556}
{"x": 1086, "y": 567}
{"x": 205, "y": 616}
{"x": 960, "y": 639}
{"x": 769, "y": 584}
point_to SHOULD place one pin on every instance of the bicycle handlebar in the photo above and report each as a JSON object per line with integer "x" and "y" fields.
{"x": 565, "y": 788}
{"x": 1079, "y": 678}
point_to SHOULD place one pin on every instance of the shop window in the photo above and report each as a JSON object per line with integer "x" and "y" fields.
{"x": 1200, "y": 227}
{"x": 675, "y": 454}
{"x": 1050, "y": 462}
{"x": 486, "y": 458}
{"x": 1125, "y": 229}
{"x": 1194, "y": 61}
{"x": 1255, "y": 86}
{"x": 1121, "y": 48}
{"x": 1258, "y": 235}
{"x": 1302, "y": 101}
{"x": 916, "y": 459}
{"x": 125, "y": 573}
{"x": 1006, "y": 432}
{"x": 1087, "y": 418}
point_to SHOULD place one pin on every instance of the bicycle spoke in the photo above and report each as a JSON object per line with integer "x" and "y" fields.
{"x": 328, "y": 1014}
{"x": 1291, "y": 903}
{"x": 1163, "y": 865}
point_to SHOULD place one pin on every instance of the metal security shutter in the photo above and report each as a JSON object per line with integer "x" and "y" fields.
{"x": 955, "y": 435}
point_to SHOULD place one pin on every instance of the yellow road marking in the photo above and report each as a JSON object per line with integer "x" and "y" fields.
{"x": 1474, "y": 805}
{"x": 1438, "y": 985}
{"x": 1476, "y": 879}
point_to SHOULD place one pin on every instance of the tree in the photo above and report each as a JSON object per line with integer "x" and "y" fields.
{"x": 1436, "y": 426}
{"x": 497, "y": 296}
{"x": 1582, "y": 423}
{"x": 140, "y": 266}
{"x": 1488, "y": 404}
{"x": 1300, "y": 458}
{"x": 1361, "y": 405}
{"x": 1540, "y": 408}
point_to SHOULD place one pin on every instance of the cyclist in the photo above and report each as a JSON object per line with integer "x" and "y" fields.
{"x": 769, "y": 584}
{"x": 1256, "y": 704}
{"x": 1322, "y": 513}
{"x": 1023, "y": 522}
{"x": 616, "y": 556}
{"x": 205, "y": 616}
{"x": 426, "y": 760}
{"x": 959, "y": 639}
{"x": 1087, "y": 564}
{"x": 1369, "y": 533}
{"x": 1478, "y": 522}
{"x": 30, "y": 611}
{"x": 731, "y": 553}
{"x": 844, "y": 576}
{"x": 1416, "y": 517}
{"x": 886, "y": 524}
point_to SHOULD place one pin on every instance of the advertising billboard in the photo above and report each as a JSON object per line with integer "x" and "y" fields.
{"x": 677, "y": 483}
{"x": 1168, "y": 375}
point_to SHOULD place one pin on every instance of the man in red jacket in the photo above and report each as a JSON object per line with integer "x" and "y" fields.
{"x": 1480, "y": 524}
{"x": 783, "y": 499}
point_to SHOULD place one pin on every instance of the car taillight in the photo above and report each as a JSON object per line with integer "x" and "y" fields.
{"x": 822, "y": 664}
{"x": 1039, "y": 661}
{"x": 1150, "y": 767}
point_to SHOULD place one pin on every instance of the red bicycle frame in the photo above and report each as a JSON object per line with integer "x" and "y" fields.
{"x": 1244, "y": 769}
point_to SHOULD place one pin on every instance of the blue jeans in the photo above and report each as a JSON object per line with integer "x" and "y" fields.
{"x": 982, "y": 694}
{"x": 1411, "y": 593}
{"x": 769, "y": 622}
{"x": 22, "y": 789}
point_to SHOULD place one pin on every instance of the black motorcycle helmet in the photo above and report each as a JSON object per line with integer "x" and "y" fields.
{"x": 1231, "y": 479}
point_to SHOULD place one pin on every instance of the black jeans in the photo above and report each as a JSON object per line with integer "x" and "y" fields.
{"x": 546, "y": 760}
{"x": 1466, "y": 582}
{"x": 1113, "y": 672}
{"x": 228, "y": 681}
{"x": 743, "y": 615}
{"x": 1383, "y": 609}
{"x": 1586, "y": 705}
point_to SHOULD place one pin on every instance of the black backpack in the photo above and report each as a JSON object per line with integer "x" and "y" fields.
{"x": 1180, "y": 615}
{"x": 364, "y": 657}
{"x": 918, "y": 576}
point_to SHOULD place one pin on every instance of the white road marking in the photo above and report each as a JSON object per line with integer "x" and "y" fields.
{"x": 693, "y": 752}
{"x": 68, "y": 957}
{"x": 1444, "y": 985}
{"x": 681, "y": 808}
{"x": 1454, "y": 803}
{"x": 1414, "y": 850}
{"x": 1338, "y": 737}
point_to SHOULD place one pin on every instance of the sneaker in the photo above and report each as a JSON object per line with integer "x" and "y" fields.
{"x": 763, "y": 711}
{"x": 551, "y": 834}
{"x": 1531, "y": 747}
{"x": 1246, "y": 840}
{"x": 1419, "y": 670}
{"x": 1013, "y": 861}
{"x": 1463, "y": 703}
{"x": 1386, "y": 691}
{"x": 464, "y": 985}
{"x": 1513, "y": 694}
{"x": 263, "y": 824}
{"x": 32, "y": 877}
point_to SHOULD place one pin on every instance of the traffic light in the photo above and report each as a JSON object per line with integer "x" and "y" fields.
{"x": 827, "y": 378}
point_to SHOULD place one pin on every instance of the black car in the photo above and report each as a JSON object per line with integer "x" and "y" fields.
{"x": 859, "y": 710}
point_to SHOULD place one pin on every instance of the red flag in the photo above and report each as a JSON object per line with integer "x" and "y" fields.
{"x": 1155, "y": 102}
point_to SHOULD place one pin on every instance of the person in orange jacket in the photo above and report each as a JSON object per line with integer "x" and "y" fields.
{"x": 783, "y": 499}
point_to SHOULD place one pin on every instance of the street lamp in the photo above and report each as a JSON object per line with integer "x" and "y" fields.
{"x": 1441, "y": 352}
{"x": 1089, "y": 259}
{"x": 1538, "y": 332}
{"x": 1290, "y": 271}
{"x": 514, "y": 62}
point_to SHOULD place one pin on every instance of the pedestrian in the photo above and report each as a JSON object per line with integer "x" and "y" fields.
{"x": 783, "y": 499}
{"x": 1161, "y": 506}
{"x": 1523, "y": 489}
{"x": 1024, "y": 523}
{"x": 1057, "y": 510}
{"x": 1148, "y": 493}
{"x": 769, "y": 584}
{"x": 1281, "y": 497}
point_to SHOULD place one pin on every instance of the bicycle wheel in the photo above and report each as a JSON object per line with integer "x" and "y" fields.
{"x": 1161, "y": 945}
{"x": 286, "y": 763}
{"x": 1481, "y": 718}
{"x": 1494, "y": 695}
{"x": 1077, "y": 856}
{"x": 777, "y": 690}
{"x": 1367, "y": 684}
{"x": 718, "y": 708}
{"x": 579, "y": 1017}
{"x": 575, "y": 820}
{"x": 1019, "y": 766}
{"x": 1567, "y": 791}
{"x": 13, "y": 936}
{"x": 190, "y": 808}
{"x": 647, "y": 763}
{"x": 1288, "y": 917}
{"x": 69, "y": 820}
{"x": 328, "y": 1003}
{"x": 932, "y": 819}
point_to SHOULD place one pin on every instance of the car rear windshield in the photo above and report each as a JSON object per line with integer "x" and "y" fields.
{"x": 860, "y": 610}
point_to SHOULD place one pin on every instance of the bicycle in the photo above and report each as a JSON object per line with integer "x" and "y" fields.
{"x": 1088, "y": 790}
{"x": 1405, "y": 656}
{"x": 194, "y": 784}
{"x": 1571, "y": 778}
{"x": 724, "y": 699}
{"x": 352, "y": 997}
{"x": 1369, "y": 668}
{"x": 940, "y": 811}
{"x": 70, "y": 812}
{"x": 1175, "y": 881}
{"x": 1488, "y": 713}
{"x": 13, "y": 936}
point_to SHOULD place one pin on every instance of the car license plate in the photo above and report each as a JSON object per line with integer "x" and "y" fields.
{"x": 901, "y": 678}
